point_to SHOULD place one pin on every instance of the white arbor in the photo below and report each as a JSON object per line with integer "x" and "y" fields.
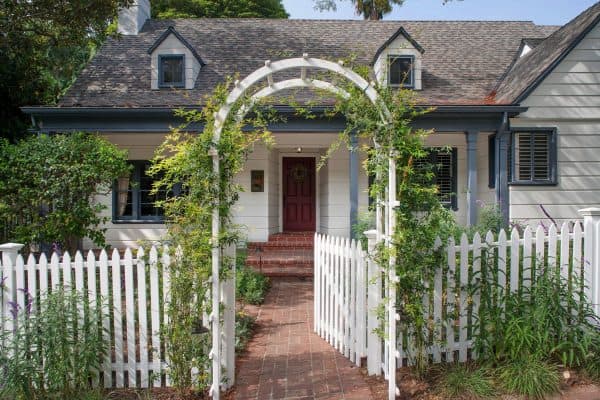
{"x": 303, "y": 64}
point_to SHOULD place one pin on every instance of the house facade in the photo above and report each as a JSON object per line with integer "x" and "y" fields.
{"x": 517, "y": 104}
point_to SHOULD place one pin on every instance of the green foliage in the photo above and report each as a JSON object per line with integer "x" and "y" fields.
{"x": 168, "y": 9}
{"x": 466, "y": 382}
{"x": 250, "y": 286}
{"x": 54, "y": 352}
{"x": 529, "y": 376}
{"x": 44, "y": 44}
{"x": 48, "y": 186}
{"x": 186, "y": 158}
{"x": 537, "y": 322}
{"x": 365, "y": 222}
{"x": 369, "y": 9}
{"x": 244, "y": 326}
{"x": 385, "y": 130}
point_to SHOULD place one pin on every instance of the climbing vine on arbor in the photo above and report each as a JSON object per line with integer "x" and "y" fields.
{"x": 184, "y": 158}
{"x": 384, "y": 130}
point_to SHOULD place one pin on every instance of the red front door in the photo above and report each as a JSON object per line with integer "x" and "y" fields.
{"x": 299, "y": 211}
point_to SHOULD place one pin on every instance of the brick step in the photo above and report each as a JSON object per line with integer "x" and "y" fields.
{"x": 286, "y": 254}
{"x": 252, "y": 246}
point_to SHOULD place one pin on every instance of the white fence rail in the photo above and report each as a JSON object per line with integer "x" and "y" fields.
{"x": 349, "y": 287}
{"x": 137, "y": 288}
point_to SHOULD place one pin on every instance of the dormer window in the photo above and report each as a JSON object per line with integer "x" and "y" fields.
{"x": 401, "y": 71}
{"x": 171, "y": 70}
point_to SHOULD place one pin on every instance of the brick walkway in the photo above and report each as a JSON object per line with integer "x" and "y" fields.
{"x": 286, "y": 360}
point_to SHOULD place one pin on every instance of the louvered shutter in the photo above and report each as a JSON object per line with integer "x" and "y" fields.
{"x": 532, "y": 156}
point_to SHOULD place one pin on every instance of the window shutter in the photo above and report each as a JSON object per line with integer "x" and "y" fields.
{"x": 442, "y": 162}
{"x": 532, "y": 156}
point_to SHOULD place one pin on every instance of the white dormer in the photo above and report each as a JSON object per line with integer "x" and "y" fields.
{"x": 175, "y": 63}
{"x": 399, "y": 62}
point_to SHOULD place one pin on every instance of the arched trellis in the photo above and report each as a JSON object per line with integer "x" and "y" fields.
{"x": 240, "y": 89}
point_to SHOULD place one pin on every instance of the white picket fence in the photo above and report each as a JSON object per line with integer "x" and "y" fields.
{"x": 138, "y": 290}
{"x": 349, "y": 287}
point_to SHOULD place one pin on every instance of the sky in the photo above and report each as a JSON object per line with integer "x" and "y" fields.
{"x": 542, "y": 12}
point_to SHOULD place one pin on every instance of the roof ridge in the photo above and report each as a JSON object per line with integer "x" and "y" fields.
{"x": 387, "y": 21}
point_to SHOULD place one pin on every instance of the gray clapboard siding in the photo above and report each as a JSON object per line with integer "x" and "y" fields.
{"x": 568, "y": 99}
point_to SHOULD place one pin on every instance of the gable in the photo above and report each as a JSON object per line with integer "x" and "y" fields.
{"x": 400, "y": 45}
{"x": 169, "y": 44}
{"x": 572, "y": 88}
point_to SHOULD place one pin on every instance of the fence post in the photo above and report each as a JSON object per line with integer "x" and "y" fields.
{"x": 591, "y": 264}
{"x": 10, "y": 251}
{"x": 373, "y": 301}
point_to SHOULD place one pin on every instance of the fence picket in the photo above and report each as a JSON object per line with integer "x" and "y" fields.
{"x": 577, "y": 261}
{"x": 316, "y": 277}
{"x": 20, "y": 284}
{"x": 526, "y": 270}
{"x": 32, "y": 281}
{"x": 464, "y": 281}
{"x": 540, "y": 244}
{"x": 107, "y": 375}
{"x": 437, "y": 310}
{"x": 155, "y": 316}
{"x": 346, "y": 299}
{"x": 117, "y": 310}
{"x": 8, "y": 297}
{"x": 166, "y": 262}
{"x": 451, "y": 318}
{"x": 54, "y": 271}
{"x": 502, "y": 268}
{"x": 353, "y": 271}
{"x": 142, "y": 316}
{"x": 92, "y": 293}
{"x": 43, "y": 268}
{"x": 565, "y": 238}
{"x": 130, "y": 317}
{"x": 515, "y": 275}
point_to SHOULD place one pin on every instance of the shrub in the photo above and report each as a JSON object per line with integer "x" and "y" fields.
{"x": 53, "y": 351}
{"x": 463, "y": 382}
{"x": 251, "y": 286}
{"x": 529, "y": 376}
{"x": 48, "y": 187}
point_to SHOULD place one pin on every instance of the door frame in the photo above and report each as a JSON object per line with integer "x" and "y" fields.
{"x": 314, "y": 155}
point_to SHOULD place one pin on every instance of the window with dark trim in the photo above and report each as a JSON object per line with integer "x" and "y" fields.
{"x": 401, "y": 71}
{"x": 171, "y": 70}
{"x": 442, "y": 162}
{"x": 133, "y": 199}
{"x": 533, "y": 160}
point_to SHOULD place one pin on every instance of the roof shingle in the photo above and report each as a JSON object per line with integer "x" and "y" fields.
{"x": 463, "y": 60}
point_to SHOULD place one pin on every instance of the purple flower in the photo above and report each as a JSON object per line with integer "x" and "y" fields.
{"x": 14, "y": 309}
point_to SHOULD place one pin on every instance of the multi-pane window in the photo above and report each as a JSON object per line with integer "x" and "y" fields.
{"x": 401, "y": 71}
{"x": 534, "y": 157}
{"x": 133, "y": 199}
{"x": 441, "y": 162}
{"x": 171, "y": 71}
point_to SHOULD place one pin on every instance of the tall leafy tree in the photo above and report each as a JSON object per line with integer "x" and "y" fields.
{"x": 166, "y": 9}
{"x": 369, "y": 9}
{"x": 43, "y": 45}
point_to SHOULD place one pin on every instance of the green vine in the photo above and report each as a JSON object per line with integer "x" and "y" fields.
{"x": 184, "y": 157}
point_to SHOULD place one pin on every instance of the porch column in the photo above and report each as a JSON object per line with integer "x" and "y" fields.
{"x": 353, "y": 168}
{"x": 502, "y": 172}
{"x": 471, "y": 177}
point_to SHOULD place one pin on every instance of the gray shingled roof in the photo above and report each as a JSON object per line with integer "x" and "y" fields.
{"x": 463, "y": 60}
{"x": 533, "y": 67}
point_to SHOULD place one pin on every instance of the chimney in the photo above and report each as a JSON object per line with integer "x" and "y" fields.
{"x": 132, "y": 19}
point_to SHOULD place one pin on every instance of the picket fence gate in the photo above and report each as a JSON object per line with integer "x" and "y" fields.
{"x": 350, "y": 287}
{"x": 138, "y": 290}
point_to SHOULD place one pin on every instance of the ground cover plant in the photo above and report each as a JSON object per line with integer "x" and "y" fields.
{"x": 53, "y": 351}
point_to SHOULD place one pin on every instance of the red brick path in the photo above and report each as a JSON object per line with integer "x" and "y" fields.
{"x": 286, "y": 360}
